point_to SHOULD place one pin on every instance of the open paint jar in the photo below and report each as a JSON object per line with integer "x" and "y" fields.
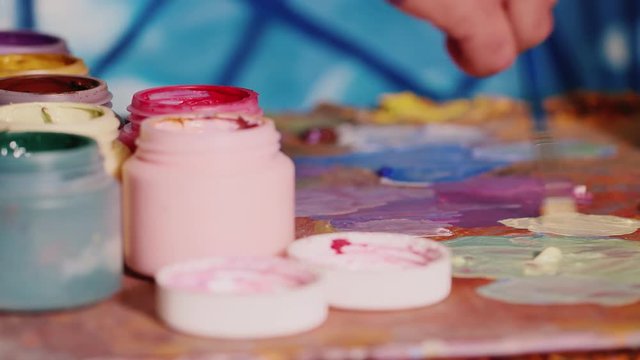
{"x": 187, "y": 99}
{"x": 94, "y": 121}
{"x": 29, "y": 64}
{"x": 54, "y": 88}
{"x": 240, "y": 297}
{"x": 21, "y": 41}
{"x": 377, "y": 271}
{"x": 206, "y": 185}
{"x": 60, "y": 243}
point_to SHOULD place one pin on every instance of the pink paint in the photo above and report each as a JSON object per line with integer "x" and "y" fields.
{"x": 187, "y": 99}
{"x": 206, "y": 185}
{"x": 241, "y": 276}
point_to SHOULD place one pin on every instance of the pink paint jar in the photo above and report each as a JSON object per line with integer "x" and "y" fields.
{"x": 187, "y": 99}
{"x": 202, "y": 185}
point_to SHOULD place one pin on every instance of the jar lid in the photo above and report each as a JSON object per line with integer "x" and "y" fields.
{"x": 377, "y": 271}
{"x": 240, "y": 297}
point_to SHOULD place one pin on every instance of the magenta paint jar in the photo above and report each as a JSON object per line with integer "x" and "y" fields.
{"x": 202, "y": 185}
{"x": 54, "y": 88}
{"x": 187, "y": 99}
{"x": 22, "y": 41}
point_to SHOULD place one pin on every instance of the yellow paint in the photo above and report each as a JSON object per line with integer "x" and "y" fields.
{"x": 23, "y": 64}
{"x": 407, "y": 107}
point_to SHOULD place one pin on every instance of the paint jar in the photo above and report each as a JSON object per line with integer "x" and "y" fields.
{"x": 60, "y": 243}
{"x": 204, "y": 185}
{"x": 54, "y": 88}
{"x": 28, "y": 64}
{"x": 94, "y": 121}
{"x": 22, "y": 41}
{"x": 187, "y": 99}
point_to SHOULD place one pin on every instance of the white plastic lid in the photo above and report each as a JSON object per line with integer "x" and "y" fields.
{"x": 377, "y": 271}
{"x": 240, "y": 297}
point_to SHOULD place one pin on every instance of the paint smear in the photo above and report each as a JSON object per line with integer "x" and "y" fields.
{"x": 576, "y": 224}
{"x": 526, "y": 151}
{"x": 430, "y": 163}
{"x": 348, "y": 199}
{"x": 561, "y": 291}
{"x": 371, "y": 138}
{"x": 499, "y": 257}
{"x": 402, "y": 226}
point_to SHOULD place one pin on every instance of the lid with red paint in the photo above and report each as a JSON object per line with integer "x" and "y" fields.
{"x": 194, "y": 98}
{"x": 377, "y": 271}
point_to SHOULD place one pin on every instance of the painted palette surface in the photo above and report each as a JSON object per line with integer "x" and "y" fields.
{"x": 341, "y": 190}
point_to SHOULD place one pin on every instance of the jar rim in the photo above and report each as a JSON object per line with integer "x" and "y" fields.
{"x": 219, "y": 98}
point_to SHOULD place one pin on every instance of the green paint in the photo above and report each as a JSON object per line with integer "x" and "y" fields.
{"x": 17, "y": 144}
{"x": 496, "y": 257}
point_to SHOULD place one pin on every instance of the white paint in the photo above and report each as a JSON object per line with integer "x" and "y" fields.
{"x": 558, "y": 205}
{"x": 576, "y": 224}
{"x": 546, "y": 263}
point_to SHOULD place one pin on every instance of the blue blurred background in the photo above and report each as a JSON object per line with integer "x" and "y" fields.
{"x": 297, "y": 53}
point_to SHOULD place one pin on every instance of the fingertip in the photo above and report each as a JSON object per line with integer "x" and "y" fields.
{"x": 484, "y": 63}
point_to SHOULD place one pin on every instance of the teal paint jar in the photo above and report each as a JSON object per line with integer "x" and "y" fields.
{"x": 60, "y": 242}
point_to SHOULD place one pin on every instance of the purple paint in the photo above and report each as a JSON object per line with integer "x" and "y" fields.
{"x": 20, "y": 42}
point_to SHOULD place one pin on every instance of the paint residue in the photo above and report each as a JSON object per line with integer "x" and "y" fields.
{"x": 526, "y": 151}
{"x": 576, "y": 224}
{"x": 236, "y": 276}
{"x": 561, "y": 291}
{"x": 496, "y": 257}
{"x": 546, "y": 270}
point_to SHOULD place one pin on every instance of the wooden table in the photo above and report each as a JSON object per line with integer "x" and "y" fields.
{"x": 465, "y": 324}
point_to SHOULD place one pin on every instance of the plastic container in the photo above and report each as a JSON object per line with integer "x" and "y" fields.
{"x": 54, "y": 88}
{"x": 30, "y": 64}
{"x": 22, "y": 41}
{"x": 377, "y": 271}
{"x": 187, "y": 99}
{"x": 240, "y": 298}
{"x": 98, "y": 122}
{"x": 206, "y": 185}
{"x": 60, "y": 244}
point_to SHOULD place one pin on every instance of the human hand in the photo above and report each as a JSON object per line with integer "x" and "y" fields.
{"x": 485, "y": 36}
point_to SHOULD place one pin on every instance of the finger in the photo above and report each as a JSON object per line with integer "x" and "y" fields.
{"x": 479, "y": 35}
{"x": 531, "y": 21}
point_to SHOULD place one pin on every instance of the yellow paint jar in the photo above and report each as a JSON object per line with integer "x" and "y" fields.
{"x": 97, "y": 122}
{"x": 28, "y": 64}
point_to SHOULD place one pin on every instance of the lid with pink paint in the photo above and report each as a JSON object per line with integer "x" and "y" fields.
{"x": 240, "y": 297}
{"x": 193, "y": 98}
{"x": 377, "y": 271}
{"x": 54, "y": 88}
{"x": 23, "y": 41}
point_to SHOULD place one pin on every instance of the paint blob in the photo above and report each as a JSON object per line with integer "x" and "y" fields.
{"x": 497, "y": 257}
{"x": 526, "y": 151}
{"x": 576, "y": 224}
{"x": 562, "y": 291}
